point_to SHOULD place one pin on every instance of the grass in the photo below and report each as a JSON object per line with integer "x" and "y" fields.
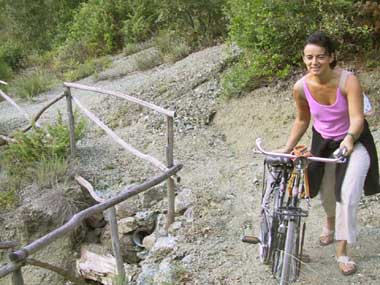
{"x": 39, "y": 156}
{"x": 29, "y": 84}
{"x": 171, "y": 46}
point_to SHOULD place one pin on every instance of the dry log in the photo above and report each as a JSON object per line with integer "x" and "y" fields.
{"x": 3, "y": 82}
{"x": 121, "y": 95}
{"x": 5, "y": 140}
{"x": 96, "y": 267}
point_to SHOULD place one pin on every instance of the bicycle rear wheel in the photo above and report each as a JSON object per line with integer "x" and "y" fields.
{"x": 268, "y": 224}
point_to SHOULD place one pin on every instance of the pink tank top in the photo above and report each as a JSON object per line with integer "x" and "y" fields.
{"x": 331, "y": 121}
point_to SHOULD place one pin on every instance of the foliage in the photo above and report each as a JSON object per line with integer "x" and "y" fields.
{"x": 29, "y": 84}
{"x": 272, "y": 33}
{"x": 171, "y": 46}
{"x": 199, "y": 22}
{"x": 142, "y": 19}
{"x": 38, "y": 156}
{"x": 12, "y": 54}
{"x": 36, "y": 23}
{"x": 97, "y": 27}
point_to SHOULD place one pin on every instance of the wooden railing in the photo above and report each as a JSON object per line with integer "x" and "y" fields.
{"x": 20, "y": 257}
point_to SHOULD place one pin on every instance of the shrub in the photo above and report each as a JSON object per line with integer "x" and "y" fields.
{"x": 12, "y": 54}
{"x": 171, "y": 46}
{"x": 142, "y": 19}
{"x": 199, "y": 22}
{"x": 39, "y": 155}
{"x": 5, "y": 72}
{"x": 272, "y": 33}
{"x": 30, "y": 84}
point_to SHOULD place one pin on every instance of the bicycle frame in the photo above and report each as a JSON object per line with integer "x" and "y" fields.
{"x": 286, "y": 261}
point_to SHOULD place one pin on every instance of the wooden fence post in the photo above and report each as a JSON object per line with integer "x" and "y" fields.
{"x": 70, "y": 115}
{"x": 170, "y": 181}
{"x": 17, "y": 278}
{"x": 116, "y": 243}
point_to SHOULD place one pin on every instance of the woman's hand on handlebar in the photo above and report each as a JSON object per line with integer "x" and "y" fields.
{"x": 348, "y": 144}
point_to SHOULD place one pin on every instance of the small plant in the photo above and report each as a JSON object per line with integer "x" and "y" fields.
{"x": 39, "y": 156}
{"x": 30, "y": 84}
{"x": 147, "y": 60}
{"x": 171, "y": 46}
{"x": 89, "y": 67}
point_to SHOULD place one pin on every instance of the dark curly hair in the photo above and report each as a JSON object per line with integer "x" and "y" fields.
{"x": 321, "y": 39}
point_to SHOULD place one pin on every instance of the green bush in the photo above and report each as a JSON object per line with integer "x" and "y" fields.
{"x": 272, "y": 33}
{"x": 28, "y": 85}
{"x": 12, "y": 54}
{"x": 199, "y": 22}
{"x": 38, "y": 151}
{"x": 97, "y": 25}
{"x": 142, "y": 20}
{"x": 5, "y": 72}
{"x": 172, "y": 47}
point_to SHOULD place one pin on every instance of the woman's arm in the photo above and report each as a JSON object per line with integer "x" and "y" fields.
{"x": 302, "y": 120}
{"x": 354, "y": 95}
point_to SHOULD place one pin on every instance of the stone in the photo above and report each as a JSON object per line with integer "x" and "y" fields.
{"x": 183, "y": 201}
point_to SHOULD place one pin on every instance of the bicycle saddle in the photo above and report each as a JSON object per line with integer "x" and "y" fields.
{"x": 278, "y": 161}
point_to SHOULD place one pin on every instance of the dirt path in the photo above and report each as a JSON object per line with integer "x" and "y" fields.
{"x": 219, "y": 167}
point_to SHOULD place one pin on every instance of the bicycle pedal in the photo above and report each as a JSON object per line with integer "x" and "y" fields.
{"x": 250, "y": 239}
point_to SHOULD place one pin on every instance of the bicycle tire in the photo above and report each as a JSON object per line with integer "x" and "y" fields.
{"x": 287, "y": 269}
{"x": 268, "y": 223}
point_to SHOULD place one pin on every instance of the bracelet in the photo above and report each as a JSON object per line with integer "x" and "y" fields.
{"x": 352, "y": 135}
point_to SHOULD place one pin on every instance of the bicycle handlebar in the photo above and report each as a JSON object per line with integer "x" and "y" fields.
{"x": 292, "y": 156}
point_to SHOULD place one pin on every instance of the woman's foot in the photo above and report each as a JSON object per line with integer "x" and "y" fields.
{"x": 327, "y": 237}
{"x": 346, "y": 266}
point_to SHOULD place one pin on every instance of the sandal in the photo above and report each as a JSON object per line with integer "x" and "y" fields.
{"x": 327, "y": 237}
{"x": 345, "y": 261}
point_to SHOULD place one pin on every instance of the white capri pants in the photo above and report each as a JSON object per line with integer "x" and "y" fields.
{"x": 352, "y": 188}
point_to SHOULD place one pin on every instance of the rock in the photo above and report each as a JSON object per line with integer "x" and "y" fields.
{"x": 149, "y": 241}
{"x": 163, "y": 246}
{"x": 146, "y": 277}
{"x": 183, "y": 200}
{"x": 126, "y": 225}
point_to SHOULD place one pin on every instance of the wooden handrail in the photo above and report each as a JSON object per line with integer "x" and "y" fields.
{"x": 38, "y": 115}
{"x": 76, "y": 220}
{"x": 8, "y": 244}
{"x": 13, "y": 103}
{"x": 117, "y": 139}
{"x": 121, "y": 95}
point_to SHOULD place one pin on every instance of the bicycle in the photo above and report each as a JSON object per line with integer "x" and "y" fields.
{"x": 281, "y": 235}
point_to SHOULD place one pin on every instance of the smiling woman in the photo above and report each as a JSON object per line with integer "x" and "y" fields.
{"x": 333, "y": 98}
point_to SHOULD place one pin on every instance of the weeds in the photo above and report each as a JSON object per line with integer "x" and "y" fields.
{"x": 39, "y": 156}
{"x": 171, "y": 46}
{"x": 30, "y": 84}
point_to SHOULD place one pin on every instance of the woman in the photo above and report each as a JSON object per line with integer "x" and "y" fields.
{"x": 333, "y": 98}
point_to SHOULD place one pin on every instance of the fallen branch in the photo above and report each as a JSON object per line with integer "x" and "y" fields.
{"x": 5, "y": 140}
{"x": 8, "y": 244}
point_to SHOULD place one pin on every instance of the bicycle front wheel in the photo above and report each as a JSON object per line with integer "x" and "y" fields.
{"x": 290, "y": 256}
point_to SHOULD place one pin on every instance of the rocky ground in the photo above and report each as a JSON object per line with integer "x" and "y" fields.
{"x": 220, "y": 181}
